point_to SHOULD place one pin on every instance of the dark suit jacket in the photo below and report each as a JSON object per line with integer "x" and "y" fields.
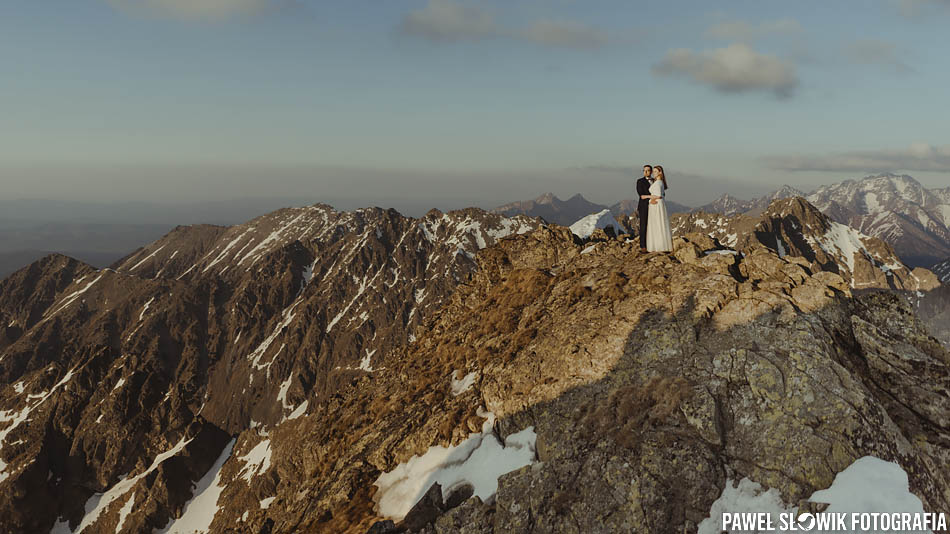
{"x": 643, "y": 188}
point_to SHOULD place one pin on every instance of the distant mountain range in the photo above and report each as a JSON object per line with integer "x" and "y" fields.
{"x": 567, "y": 212}
{"x": 895, "y": 208}
{"x": 729, "y": 205}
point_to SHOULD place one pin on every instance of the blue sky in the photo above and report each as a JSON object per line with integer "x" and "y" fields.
{"x": 462, "y": 102}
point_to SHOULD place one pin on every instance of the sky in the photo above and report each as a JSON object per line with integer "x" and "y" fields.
{"x": 448, "y": 103}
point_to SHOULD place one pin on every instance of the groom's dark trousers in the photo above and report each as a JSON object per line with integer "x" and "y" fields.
{"x": 643, "y": 209}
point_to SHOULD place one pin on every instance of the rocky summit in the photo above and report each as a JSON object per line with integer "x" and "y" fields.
{"x": 794, "y": 227}
{"x": 466, "y": 372}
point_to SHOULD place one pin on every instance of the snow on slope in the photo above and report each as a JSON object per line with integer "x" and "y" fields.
{"x": 478, "y": 461}
{"x": 868, "y": 485}
{"x": 586, "y": 225}
{"x": 200, "y": 510}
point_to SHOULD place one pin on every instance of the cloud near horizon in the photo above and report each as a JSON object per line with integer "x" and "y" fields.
{"x": 447, "y": 21}
{"x": 208, "y": 10}
{"x": 736, "y": 68}
{"x": 917, "y": 157}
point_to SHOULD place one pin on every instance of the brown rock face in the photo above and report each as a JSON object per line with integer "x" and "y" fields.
{"x": 264, "y": 382}
{"x": 793, "y": 227}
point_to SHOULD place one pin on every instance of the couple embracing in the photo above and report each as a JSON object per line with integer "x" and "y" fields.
{"x": 655, "y": 232}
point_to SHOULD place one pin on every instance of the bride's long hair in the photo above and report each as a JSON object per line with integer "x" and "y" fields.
{"x": 662, "y": 176}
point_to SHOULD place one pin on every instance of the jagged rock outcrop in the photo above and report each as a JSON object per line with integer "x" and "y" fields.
{"x": 793, "y": 227}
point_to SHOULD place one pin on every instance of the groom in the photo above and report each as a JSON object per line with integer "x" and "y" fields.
{"x": 643, "y": 204}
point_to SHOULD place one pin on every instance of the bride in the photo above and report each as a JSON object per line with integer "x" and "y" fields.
{"x": 659, "y": 234}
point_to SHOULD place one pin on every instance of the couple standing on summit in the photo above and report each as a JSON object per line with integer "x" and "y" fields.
{"x": 655, "y": 232}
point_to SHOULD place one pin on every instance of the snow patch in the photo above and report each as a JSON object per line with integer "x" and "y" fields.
{"x": 99, "y": 502}
{"x": 463, "y": 385}
{"x": 365, "y": 362}
{"x": 145, "y": 308}
{"x": 273, "y": 237}
{"x": 69, "y": 299}
{"x": 746, "y": 497}
{"x": 302, "y": 409}
{"x": 282, "y": 393}
{"x": 17, "y": 418}
{"x": 477, "y": 461}
{"x": 359, "y": 293}
{"x": 256, "y": 461}
{"x": 586, "y": 226}
{"x": 201, "y": 509}
{"x": 868, "y": 485}
{"x": 255, "y": 357}
{"x": 146, "y": 258}
{"x": 124, "y": 512}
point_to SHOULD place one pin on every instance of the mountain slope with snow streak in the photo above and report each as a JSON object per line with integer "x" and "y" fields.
{"x": 895, "y": 208}
{"x": 793, "y": 227}
{"x": 208, "y": 336}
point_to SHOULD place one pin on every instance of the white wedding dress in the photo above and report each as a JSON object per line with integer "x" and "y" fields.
{"x": 659, "y": 234}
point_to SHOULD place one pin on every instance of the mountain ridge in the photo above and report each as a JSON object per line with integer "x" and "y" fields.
{"x": 290, "y": 361}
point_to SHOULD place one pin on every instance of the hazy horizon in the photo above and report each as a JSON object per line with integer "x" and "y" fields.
{"x": 447, "y": 103}
{"x": 235, "y": 195}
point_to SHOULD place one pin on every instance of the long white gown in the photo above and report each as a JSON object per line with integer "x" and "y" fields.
{"x": 659, "y": 233}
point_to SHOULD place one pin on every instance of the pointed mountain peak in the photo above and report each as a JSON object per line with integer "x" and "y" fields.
{"x": 547, "y": 198}
{"x": 788, "y": 191}
{"x": 798, "y": 207}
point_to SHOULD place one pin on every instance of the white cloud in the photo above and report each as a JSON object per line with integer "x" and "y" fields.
{"x": 734, "y": 69}
{"x": 916, "y": 157}
{"x": 741, "y": 30}
{"x": 451, "y": 21}
{"x": 195, "y": 9}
